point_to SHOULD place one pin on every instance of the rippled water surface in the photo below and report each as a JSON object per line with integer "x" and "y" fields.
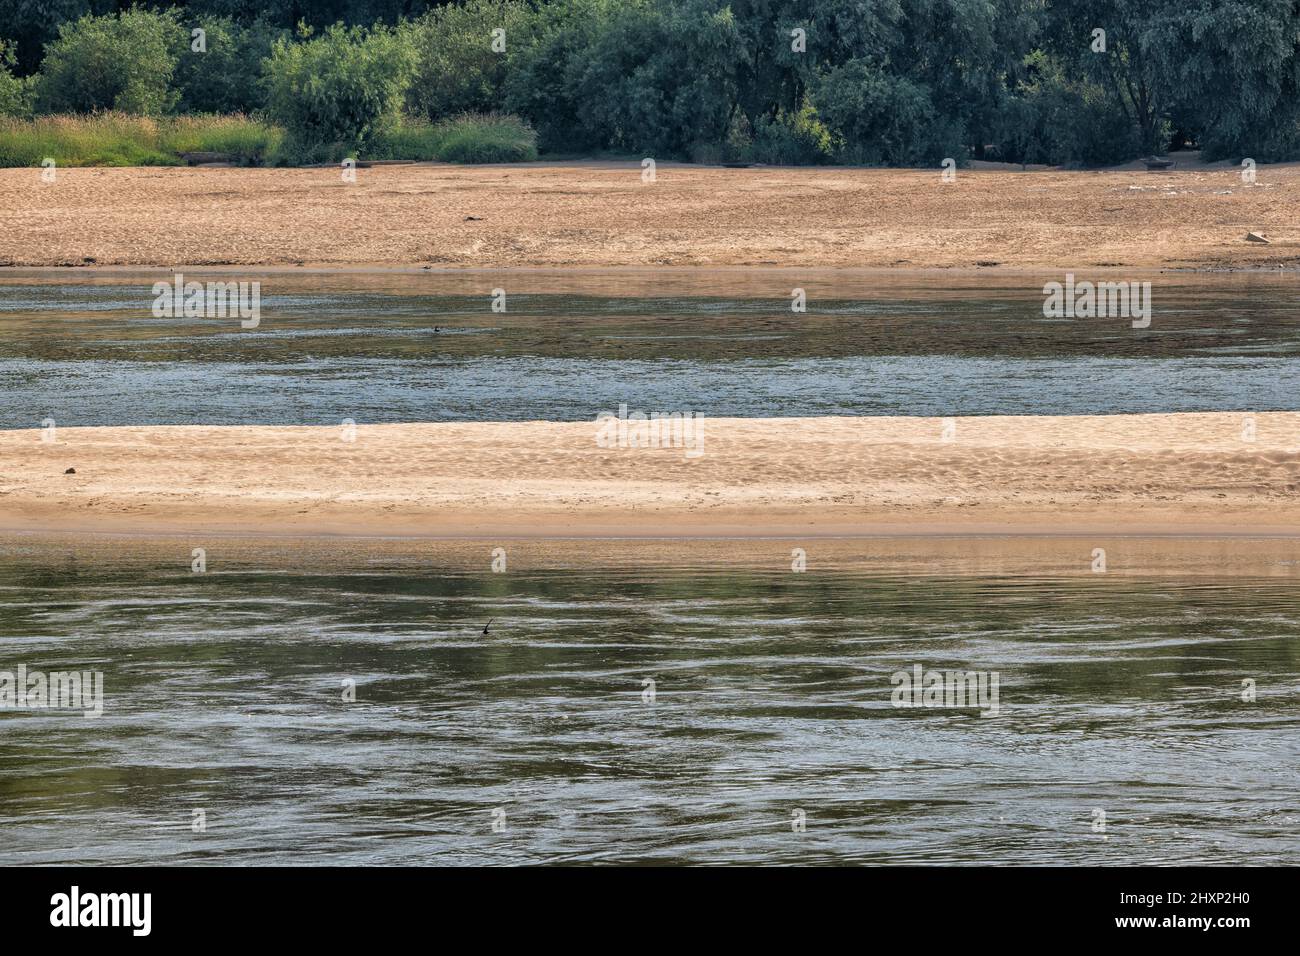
{"x": 1119, "y": 692}
{"x": 429, "y": 347}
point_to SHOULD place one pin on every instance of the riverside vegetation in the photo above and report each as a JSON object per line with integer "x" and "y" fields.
{"x": 895, "y": 82}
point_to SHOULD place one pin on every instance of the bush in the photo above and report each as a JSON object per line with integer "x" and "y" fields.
{"x": 334, "y": 93}
{"x": 470, "y": 138}
{"x": 124, "y": 62}
{"x": 656, "y": 79}
{"x": 456, "y": 70}
{"x": 1049, "y": 120}
{"x": 790, "y": 139}
{"x": 248, "y": 142}
{"x": 880, "y": 119}
{"x": 116, "y": 139}
{"x": 487, "y": 139}
{"x": 543, "y": 82}
{"x": 411, "y": 138}
{"x": 15, "y": 92}
{"x": 228, "y": 76}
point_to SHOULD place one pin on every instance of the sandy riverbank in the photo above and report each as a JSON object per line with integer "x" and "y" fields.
{"x": 601, "y": 214}
{"x": 1132, "y": 474}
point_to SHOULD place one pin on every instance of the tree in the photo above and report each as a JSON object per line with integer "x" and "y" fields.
{"x": 457, "y": 68}
{"x": 15, "y": 91}
{"x": 334, "y": 92}
{"x": 124, "y": 62}
{"x": 227, "y": 75}
{"x": 1232, "y": 73}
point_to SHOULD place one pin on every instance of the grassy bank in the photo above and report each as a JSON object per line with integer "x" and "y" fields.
{"x": 119, "y": 139}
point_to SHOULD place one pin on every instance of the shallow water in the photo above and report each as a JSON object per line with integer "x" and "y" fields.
{"x": 428, "y": 347}
{"x": 1118, "y": 692}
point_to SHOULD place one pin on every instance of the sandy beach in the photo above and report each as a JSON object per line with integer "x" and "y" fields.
{"x": 1130, "y": 474}
{"x": 594, "y": 214}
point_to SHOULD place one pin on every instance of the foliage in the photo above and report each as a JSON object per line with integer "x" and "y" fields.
{"x": 796, "y": 138}
{"x": 456, "y": 68}
{"x": 124, "y": 62}
{"x": 486, "y": 139}
{"x": 799, "y": 81}
{"x": 15, "y": 91}
{"x": 469, "y": 138}
{"x": 878, "y": 118}
{"x": 119, "y": 139}
{"x": 227, "y": 75}
{"x": 334, "y": 92}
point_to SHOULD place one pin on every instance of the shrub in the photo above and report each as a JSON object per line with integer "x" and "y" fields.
{"x": 334, "y": 93}
{"x": 228, "y": 76}
{"x": 790, "y": 139}
{"x": 456, "y": 70}
{"x": 880, "y": 119}
{"x": 1049, "y": 120}
{"x": 15, "y": 92}
{"x": 116, "y": 139}
{"x": 411, "y": 138}
{"x": 470, "y": 138}
{"x": 248, "y": 142}
{"x": 487, "y": 139}
{"x": 124, "y": 62}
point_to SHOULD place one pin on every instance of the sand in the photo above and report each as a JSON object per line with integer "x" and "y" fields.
{"x": 1130, "y": 474}
{"x": 601, "y": 214}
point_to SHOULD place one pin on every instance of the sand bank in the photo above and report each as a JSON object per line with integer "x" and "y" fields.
{"x": 1131, "y": 474}
{"x": 599, "y": 214}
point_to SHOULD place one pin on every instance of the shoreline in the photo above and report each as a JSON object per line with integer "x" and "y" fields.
{"x": 1187, "y": 474}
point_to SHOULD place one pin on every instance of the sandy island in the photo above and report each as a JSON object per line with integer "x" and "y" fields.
{"x": 601, "y": 214}
{"x": 1127, "y": 474}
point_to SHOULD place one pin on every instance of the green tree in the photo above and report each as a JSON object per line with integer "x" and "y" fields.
{"x": 543, "y": 82}
{"x": 124, "y": 62}
{"x": 227, "y": 75}
{"x": 880, "y": 118}
{"x": 15, "y": 91}
{"x": 334, "y": 92}
{"x": 1126, "y": 68}
{"x": 1231, "y": 71}
{"x": 659, "y": 77}
{"x": 457, "y": 69}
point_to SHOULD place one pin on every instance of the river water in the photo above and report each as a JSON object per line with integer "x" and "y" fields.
{"x": 224, "y": 694}
{"x": 338, "y": 700}
{"x": 402, "y": 347}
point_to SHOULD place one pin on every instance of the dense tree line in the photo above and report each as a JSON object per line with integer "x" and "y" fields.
{"x": 901, "y": 82}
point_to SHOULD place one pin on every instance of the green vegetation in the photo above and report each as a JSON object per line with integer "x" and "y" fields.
{"x": 120, "y": 139}
{"x": 468, "y": 138}
{"x": 894, "y": 82}
{"x": 15, "y": 92}
{"x": 335, "y": 92}
{"x": 122, "y": 63}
